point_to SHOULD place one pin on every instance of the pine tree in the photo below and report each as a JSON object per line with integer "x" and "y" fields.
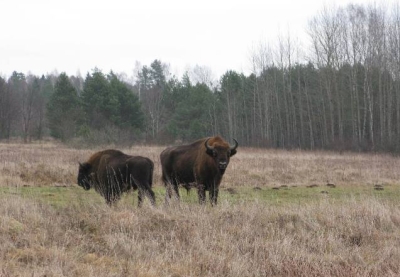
{"x": 192, "y": 116}
{"x": 64, "y": 109}
{"x": 99, "y": 103}
{"x": 129, "y": 114}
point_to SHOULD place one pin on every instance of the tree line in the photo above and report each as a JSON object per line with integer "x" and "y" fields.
{"x": 340, "y": 91}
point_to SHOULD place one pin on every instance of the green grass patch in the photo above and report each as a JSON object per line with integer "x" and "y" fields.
{"x": 300, "y": 195}
{"x": 74, "y": 195}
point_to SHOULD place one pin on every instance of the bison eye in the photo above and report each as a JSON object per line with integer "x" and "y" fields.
{"x": 215, "y": 153}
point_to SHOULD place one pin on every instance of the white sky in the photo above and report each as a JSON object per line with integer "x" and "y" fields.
{"x": 78, "y": 35}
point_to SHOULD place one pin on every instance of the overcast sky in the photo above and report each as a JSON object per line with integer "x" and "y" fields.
{"x": 78, "y": 35}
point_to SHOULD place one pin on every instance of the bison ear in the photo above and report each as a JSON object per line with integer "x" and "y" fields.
{"x": 84, "y": 166}
{"x": 233, "y": 152}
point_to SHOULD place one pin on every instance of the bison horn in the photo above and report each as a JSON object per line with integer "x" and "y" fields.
{"x": 207, "y": 146}
{"x": 235, "y": 146}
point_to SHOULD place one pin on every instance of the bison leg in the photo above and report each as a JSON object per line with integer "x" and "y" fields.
{"x": 140, "y": 197}
{"x": 201, "y": 193}
{"x": 150, "y": 194}
{"x": 111, "y": 196}
{"x": 176, "y": 191}
{"x": 152, "y": 197}
{"x": 172, "y": 190}
{"x": 168, "y": 188}
{"x": 213, "y": 196}
{"x": 168, "y": 194}
{"x": 145, "y": 190}
{"x": 111, "y": 199}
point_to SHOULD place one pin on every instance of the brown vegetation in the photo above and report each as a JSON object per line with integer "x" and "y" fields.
{"x": 49, "y": 164}
{"x": 354, "y": 236}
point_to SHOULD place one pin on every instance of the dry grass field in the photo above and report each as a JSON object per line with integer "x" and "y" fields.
{"x": 276, "y": 217}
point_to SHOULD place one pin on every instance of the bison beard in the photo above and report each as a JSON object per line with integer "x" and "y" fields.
{"x": 111, "y": 173}
{"x": 201, "y": 164}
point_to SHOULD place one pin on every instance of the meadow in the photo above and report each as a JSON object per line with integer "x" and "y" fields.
{"x": 279, "y": 213}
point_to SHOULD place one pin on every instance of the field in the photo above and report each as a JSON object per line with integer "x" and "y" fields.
{"x": 280, "y": 213}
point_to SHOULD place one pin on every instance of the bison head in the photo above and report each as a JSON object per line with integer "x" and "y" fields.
{"x": 221, "y": 153}
{"x": 84, "y": 175}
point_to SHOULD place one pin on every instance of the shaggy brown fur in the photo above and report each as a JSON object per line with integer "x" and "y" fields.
{"x": 196, "y": 164}
{"x": 111, "y": 172}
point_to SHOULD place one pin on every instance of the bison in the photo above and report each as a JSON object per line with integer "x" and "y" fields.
{"x": 111, "y": 172}
{"x": 201, "y": 164}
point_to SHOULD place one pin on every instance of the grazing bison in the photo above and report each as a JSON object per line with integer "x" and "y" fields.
{"x": 111, "y": 172}
{"x": 201, "y": 164}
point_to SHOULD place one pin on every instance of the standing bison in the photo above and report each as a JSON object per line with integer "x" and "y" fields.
{"x": 203, "y": 163}
{"x": 111, "y": 172}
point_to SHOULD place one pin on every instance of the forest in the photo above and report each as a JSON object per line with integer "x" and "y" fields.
{"x": 340, "y": 90}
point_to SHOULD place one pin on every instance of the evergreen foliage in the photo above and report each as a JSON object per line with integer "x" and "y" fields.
{"x": 110, "y": 107}
{"x": 64, "y": 109}
{"x": 191, "y": 118}
{"x": 129, "y": 114}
